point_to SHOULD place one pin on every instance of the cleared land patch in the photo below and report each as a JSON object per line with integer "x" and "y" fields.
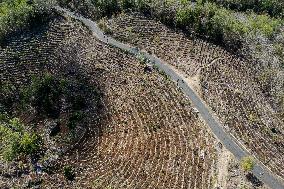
{"x": 229, "y": 84}
{"x": 145, "y": 134}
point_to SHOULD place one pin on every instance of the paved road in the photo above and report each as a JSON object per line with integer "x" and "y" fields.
{"x": 227, "y": 140}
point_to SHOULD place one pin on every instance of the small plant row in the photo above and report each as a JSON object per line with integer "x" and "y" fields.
{"x": 227, "y": 82}
{"x": 242, "y": 107}
{"x": 145, "y": 134}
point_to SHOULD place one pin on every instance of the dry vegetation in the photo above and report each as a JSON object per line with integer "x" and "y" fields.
{"x": 144, "y": 134}
{"x": 233, "y": 87}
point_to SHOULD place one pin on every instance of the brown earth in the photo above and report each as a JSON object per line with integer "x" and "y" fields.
{"x": 145, "y": 134}
{"x": 231, "y": 86}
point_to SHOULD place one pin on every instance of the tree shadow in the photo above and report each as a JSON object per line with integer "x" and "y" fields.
{"x": 254, "y": 180}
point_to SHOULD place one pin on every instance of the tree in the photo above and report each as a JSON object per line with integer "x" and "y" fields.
{"x": 247, "y": 163}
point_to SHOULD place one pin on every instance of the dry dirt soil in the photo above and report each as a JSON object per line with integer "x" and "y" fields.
{"x": 145, "y": 134}
{"x": 231, "y": 86}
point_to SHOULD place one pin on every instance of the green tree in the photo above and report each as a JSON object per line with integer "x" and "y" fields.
{"x": 247, "y": 163}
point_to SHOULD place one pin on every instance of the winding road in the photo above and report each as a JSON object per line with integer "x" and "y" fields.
{"x": 230, "y": 143}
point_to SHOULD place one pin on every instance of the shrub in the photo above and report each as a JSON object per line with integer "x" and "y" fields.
{"x": 247, "y": 164}
{"x": 263, "y": 24}
{"x": 68, "y": 173}
{"x": 15, "y": 141}
{"x": 29, "y": 143}
{"x": 103, "y": 26}
{"x": 44, "y": 94}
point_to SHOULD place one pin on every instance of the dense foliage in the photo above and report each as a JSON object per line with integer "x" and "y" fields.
{"x": 13, "y": 15}
{"x": 220, "y": 24}
{"x": 204, "y": 18}
{"x": 274, "y": 8}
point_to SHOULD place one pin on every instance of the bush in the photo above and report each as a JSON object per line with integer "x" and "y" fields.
{"x": 44, "y": 94}
{"x": 29, "y": 143}
{"x": 74, "y": 119}
{"x": 68, "y": 173}
{"x": 103, "y": 26}
{"x": 15, "y": 141}
{"x": 247, "y": 164}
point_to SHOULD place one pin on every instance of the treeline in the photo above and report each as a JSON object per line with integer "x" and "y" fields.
{"x": 221, "y": 24}
{"x": 274, "y": 8}
{"x": 202, "y": 18}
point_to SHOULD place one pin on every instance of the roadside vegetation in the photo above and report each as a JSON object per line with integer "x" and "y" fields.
{"x": 247, "y": 164}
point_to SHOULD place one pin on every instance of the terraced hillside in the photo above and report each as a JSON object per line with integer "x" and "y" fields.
{"x": 232, "y": 87}
{"x": 145, "y": 133}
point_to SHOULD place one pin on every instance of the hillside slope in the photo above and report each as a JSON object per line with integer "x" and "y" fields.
{"x": 143, "y": 133}
{"x": 230, "y": 85}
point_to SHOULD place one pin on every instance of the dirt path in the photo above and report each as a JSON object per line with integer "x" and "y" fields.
{"x": 227, "y": 140}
